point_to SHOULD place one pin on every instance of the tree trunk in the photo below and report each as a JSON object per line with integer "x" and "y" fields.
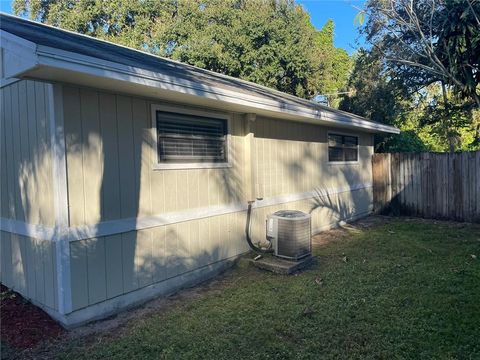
{"x": 450, "y": 134}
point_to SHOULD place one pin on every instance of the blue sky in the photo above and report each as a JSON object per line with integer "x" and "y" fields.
{"x": 6, "y": 6}
{"x": 342, "y": 12}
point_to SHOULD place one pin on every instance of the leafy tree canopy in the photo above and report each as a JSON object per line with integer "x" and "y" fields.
{"x": 336, "y": 64}
{"x": 425, "y": 123}
{"x": 426, "y": 41}
{"x": 272, "y": 43}
{"x": 421, "y": 73}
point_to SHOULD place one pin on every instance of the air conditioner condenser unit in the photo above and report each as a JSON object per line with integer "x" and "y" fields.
{"x": 290, "y": 233}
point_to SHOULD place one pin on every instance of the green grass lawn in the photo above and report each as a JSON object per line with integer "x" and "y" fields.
{"x": 408, "y": 289}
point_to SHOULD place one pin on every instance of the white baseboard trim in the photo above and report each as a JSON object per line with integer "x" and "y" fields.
{"x": 134, "y": 224}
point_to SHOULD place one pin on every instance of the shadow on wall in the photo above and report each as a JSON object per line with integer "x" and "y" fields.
{"x": 121, "y": 145}
{"x": 326, "y": 207}
{"x": 26, "y": 189}
{"x": 292, "y": 158}
{"x": 344, "y": 205}
{"x": 110, "y": 154}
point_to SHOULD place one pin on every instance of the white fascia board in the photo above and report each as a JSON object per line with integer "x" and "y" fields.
{"x": 56, "y": 58}
{"x": 97, "y": 67}
{"x": 357, "y": 122}
{"x": 19, "y": 55}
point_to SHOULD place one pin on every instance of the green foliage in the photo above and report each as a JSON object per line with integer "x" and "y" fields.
{"x": 458, "y": 44}
{"x": 379, "y": 99}
{"x": 428, "y": 41}
{"x": 409, "y": 289}
{"x": 375, "y": 97}
{"x": 407, "y": 141}
{"x": 336, "y": 65}
{"x": 421, "y": 74}
{"x": 450, "y": 121}
{"x": 359, "y": 19}
{"x": 271, "y": 43}
{"x": 425, "y": 123}
{"x": 325, "y": 35}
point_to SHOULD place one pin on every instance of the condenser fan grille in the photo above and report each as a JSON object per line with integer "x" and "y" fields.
{"x": 289, "y": 231}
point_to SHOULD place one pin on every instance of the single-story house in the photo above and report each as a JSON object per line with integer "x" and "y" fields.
{"x": 125, "y": 175}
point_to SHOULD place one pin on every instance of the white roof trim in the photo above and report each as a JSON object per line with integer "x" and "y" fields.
{"x": 18, "y": 56}
{"x": 38, "y": 56}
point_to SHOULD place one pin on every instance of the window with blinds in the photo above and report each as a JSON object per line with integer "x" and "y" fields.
{"x": 342, "y": 148}
{"x": 184, "y": 138}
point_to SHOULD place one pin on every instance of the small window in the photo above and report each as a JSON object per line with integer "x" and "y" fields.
{"x": 342, "y": 148}
{"x": 185, "y": 138}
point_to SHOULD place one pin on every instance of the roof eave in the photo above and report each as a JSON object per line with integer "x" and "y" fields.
{"x": 35, "y": 57}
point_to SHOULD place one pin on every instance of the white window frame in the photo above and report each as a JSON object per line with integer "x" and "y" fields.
{"x": 334, "y": 132}
{"x": 190, "y": 111}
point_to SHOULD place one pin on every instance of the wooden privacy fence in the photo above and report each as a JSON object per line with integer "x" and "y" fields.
{"x": 430, "y": 185}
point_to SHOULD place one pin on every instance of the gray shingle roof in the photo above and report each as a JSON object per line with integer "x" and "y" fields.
{"x": 45, "y": 35}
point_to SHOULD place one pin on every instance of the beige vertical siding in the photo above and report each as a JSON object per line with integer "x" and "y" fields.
{"x": 110, "y": 164}
{"x": 110, "y": 159}
{"x": 114, "y": 265}
{"x": 26, "y": 160}
{"x": 110, "y": 170}
{"x": 293, "y": 158}
{"x": 109, "y": 266}
{"x": 29, "y": 266}
{"x": 111, "y": 154}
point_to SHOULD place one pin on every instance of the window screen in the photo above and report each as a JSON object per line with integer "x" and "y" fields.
{"x": 342, "y": 147}
{"x": 189, "y": 138}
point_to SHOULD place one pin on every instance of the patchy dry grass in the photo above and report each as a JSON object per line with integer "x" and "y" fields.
{"x": 400, "y": 289}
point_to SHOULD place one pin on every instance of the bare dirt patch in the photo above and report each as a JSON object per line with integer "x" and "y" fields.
{"x": 23, "y": 325}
